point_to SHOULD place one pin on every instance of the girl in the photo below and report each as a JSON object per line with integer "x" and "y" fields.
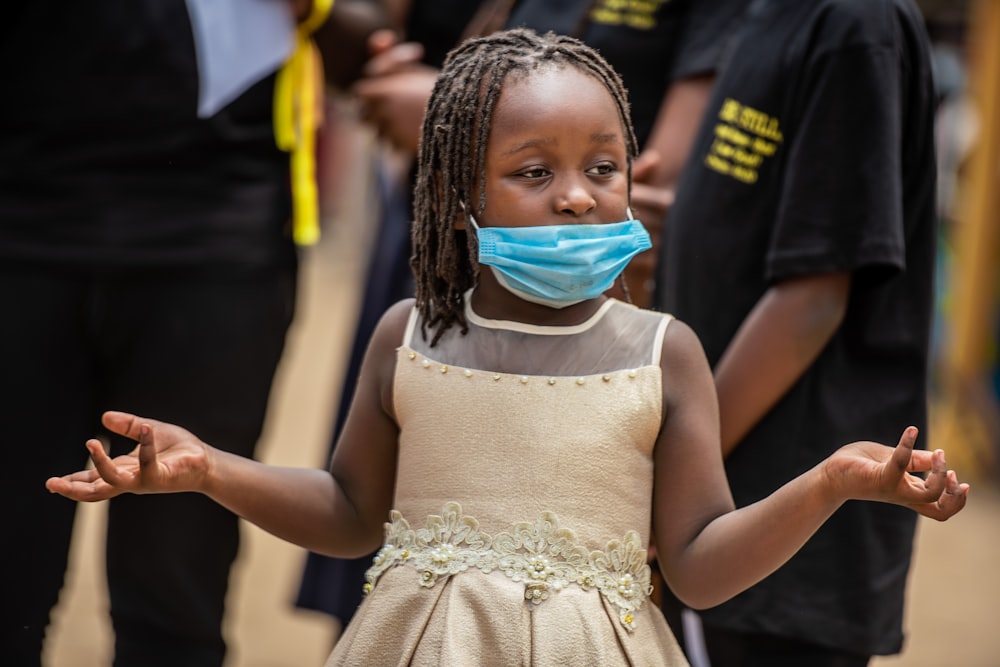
{"x": 525, "y": 435}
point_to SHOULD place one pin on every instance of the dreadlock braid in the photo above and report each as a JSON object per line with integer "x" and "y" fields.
{"x": 451, "y": 161}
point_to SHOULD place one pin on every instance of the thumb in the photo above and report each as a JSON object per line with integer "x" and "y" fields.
{"x": 381, "y": 40}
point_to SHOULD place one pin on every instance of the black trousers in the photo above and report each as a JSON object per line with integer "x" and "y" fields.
{"x": 736, "y": 649}
{"x": 200, "y": 351}
{"x": 728, "y": 648}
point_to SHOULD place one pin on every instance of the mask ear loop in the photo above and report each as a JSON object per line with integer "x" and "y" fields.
{"x": 471, "y": 218}
{"x": 621, "y": 277}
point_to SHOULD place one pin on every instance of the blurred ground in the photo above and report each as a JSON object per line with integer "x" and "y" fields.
{"x": 954, "y": 594}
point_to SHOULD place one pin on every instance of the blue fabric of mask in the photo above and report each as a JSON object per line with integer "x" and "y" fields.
{"x": 560, "y": 265}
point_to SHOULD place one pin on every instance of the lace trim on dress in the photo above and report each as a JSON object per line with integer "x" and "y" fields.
{"x": 542, "y": 555}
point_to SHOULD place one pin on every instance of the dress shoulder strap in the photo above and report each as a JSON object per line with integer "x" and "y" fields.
{"x": 411, "y": 325}
{"x": 661, "y": 330}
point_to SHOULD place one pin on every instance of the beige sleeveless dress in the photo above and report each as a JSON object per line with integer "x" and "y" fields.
{"x": 522, "y": 500}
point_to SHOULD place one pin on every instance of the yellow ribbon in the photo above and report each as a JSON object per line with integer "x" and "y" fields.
{"x": 298, "y": 113}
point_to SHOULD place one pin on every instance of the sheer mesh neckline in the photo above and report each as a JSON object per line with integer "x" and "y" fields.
{"x": 617, "y": 337}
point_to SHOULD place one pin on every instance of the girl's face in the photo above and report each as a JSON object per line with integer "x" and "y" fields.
{"x": 556, "y": 153}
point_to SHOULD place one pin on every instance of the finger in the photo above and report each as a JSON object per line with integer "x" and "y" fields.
{"x": 82, "y": 491}
{"x": 63, "y": 484}
{"x": 122, "y": 423}
{"x": 651, "y": 197}
{"x": 370, "y": 93}
{"x": 903, "y": 452}
{"x": 84, "y": 485}
{"x": 917, "y": 491}
{"x": 921, "y": 461}
{"x": 98, "y": 452}
{"x": 954, "y": 497}
{"x": 81, "y": 476}
{"x": 951, "y": 502}
{"x": 937, "y": 481}
{"x": 381, "y": 40}
{"x": 106, "y": 468}
{"x": 933, "y": 497}
{"x": 147, "y": 452}
{"x": 394, "y": 59}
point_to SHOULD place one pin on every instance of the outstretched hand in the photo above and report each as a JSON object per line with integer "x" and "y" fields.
{"x": 166, "y": 459}
{"x": 871, "y": 471}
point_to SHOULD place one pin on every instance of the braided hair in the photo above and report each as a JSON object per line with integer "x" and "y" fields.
{"x": 451, "y": 161}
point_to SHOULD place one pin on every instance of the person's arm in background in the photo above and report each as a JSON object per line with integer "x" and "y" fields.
{"x": 394, "y": 90}
{"x": 655, "y": 172}
{"x": 779, "y": 339}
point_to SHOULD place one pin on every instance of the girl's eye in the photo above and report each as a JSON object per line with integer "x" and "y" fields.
{"x": 603, "y": 169}
{"x": 534, "y": 172}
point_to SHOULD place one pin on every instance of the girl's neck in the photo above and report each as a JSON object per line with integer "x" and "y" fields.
{"x": 492, "y": 301}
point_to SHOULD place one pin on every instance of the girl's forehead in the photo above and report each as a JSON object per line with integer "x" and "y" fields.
{"x": 558, "y": 97}
{"x": 548, "y": 79}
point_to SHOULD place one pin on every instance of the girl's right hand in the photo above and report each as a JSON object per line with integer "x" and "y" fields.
{"x": 167, "y": 459}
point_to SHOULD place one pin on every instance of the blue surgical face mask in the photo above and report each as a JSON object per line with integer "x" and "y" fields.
{"x": 560, "y": 265}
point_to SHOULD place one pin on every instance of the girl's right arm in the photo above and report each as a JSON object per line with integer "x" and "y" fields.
{"x": 339, "y": 512}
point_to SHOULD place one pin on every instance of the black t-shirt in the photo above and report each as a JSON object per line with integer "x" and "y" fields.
{"x": 638, "y": 39}
{"x": 706, "y": 28}
{"x": 816, "y": 155}
{"x": 104, "y": 162}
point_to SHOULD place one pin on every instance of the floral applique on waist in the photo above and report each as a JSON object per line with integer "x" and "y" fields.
{"x": 542, "y": 555}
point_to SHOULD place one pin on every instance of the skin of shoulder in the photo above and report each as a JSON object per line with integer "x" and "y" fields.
{"x": 386, "y": 338}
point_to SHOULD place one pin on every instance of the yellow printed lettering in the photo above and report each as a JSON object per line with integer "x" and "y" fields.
{"x": 747, "y": 159}
{"x": 732, "y": 135}
{"x": 638, "y": 14}
{"x": 722, "y": 148}
{"x": 717, "y": 164}
{"x": 745, "y": 175}
{"x": 730, "y": 111}
{"x": 762, "y": 147}
{"x": 640, "y": 22}
{"x": 744, "y": 138}
{"x": 605, "y": 17}
{"x": 759, "y": 123}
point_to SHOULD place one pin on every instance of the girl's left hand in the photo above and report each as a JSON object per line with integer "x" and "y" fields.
{"x": 871, "y": 471}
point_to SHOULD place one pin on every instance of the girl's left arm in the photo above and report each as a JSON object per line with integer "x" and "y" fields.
{"x": 708, "y": 550}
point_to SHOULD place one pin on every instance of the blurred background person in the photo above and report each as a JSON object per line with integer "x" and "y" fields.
{"x": 801, "y": 249}
{"x": 147, "y": 263}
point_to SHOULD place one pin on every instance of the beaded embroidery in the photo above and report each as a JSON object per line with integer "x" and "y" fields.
{"x": 542, "y": 555}
{"x": 427, "y": 362}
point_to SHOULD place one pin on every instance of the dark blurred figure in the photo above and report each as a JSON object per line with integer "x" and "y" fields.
{"x": 801, "y": 250}
{"x": 146, "y": 264}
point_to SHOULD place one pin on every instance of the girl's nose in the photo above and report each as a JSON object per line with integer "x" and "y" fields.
{"x": 576, "y": 201}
